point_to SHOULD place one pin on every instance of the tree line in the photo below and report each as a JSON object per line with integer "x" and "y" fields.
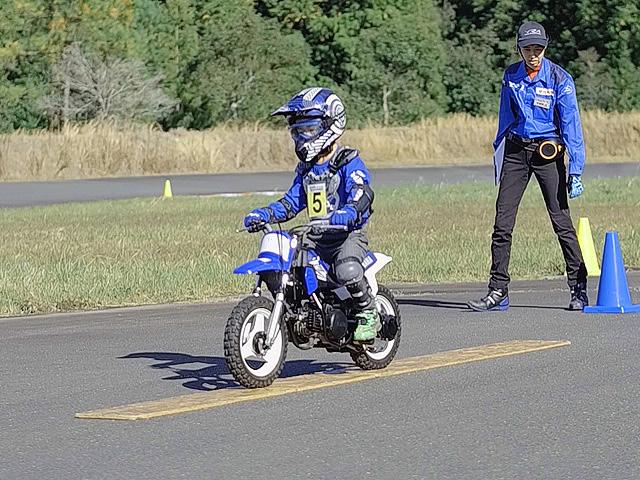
{"x": 198, "y": 63}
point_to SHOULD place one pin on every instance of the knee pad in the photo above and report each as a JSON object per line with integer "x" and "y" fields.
{"x": 349, "y": 271}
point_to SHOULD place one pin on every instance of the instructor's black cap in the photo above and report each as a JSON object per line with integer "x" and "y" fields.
{"x": 531, "y": 33}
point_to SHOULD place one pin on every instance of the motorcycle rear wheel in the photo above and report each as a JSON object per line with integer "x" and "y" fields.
{"x": 380, "y": 354}
{"x": 251, "y": 365}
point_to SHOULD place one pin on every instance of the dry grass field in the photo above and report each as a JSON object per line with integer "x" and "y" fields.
{"x": 99, "y": 150}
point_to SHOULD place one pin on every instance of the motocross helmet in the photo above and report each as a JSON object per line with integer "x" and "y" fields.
{"x": 316, "y": 118}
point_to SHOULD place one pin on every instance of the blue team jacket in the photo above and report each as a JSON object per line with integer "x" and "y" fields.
{"x": 545, "y": 107}
{"x": 343, "y": 187}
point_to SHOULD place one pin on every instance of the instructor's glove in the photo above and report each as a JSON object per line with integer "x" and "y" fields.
{"x": 347, "y": 216}
{"x": 256, "y": 218}
{"x": 574, "y": 186}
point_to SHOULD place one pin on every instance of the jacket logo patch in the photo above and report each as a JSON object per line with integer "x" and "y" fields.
{"x": 358, "y": 177}
{"x": 516, "y": 86}
{"x": 545, "y": 92}
{"x": 542, "y": 102}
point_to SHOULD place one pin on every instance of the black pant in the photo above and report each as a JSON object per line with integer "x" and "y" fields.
{"x": 519, "y": 164}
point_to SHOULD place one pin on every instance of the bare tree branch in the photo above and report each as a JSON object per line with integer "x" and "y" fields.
{"x": 87, "y": 87}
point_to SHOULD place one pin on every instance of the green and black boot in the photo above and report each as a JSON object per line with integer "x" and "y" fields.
{"x": 368, "y": 325}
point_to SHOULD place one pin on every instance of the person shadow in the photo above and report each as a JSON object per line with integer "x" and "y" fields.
{"x": 462, "y": 306}
{"x": 216, "y": 376}
{"x": 435, "y": 303}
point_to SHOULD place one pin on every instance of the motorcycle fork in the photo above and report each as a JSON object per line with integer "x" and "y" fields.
{"x": 257, "y": 290}
{"x": 276, "y": 313}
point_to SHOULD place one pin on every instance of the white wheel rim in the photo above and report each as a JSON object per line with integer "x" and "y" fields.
{"x": 381, "y": 348}
{"x": 253, "y": 325}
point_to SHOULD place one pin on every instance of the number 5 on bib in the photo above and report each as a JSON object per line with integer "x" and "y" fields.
{"x": 317, "y": 200}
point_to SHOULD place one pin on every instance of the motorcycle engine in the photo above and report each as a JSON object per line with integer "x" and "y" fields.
{"x": 333, "y": 321}
{"x": 310, "y": 322}
{"x": 336, "y": 322}
{"x": 314, "y": 320}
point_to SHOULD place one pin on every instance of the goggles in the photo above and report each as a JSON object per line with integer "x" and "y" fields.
{"x": 307, "y": 129}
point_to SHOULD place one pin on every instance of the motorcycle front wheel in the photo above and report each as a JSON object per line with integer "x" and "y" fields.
{"x": 379, "y": 354}
{"x": 250, "y": 362}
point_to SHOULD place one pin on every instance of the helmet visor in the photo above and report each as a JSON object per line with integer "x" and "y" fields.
{"x": 306, "y": 130}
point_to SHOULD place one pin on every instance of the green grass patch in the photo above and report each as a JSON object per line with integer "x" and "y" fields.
{"x": 93, "y": 255}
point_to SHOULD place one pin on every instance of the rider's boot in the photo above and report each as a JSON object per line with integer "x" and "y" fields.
{"x": 351, "y": 274}
{"x": 368, "y": 325}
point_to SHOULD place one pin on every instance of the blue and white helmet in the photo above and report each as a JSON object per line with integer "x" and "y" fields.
{"x": 316, "y": 118}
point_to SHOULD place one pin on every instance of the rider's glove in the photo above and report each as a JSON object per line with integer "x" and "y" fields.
{"x": 256, "y": 218}
{"x": 347, "y": 216}
{"x": 574, "y": 186}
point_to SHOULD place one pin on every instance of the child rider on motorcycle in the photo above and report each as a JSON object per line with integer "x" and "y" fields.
{"x": 332, "y": 183}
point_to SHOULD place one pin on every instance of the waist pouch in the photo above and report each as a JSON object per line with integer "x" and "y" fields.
{"x": 548, "y": 149}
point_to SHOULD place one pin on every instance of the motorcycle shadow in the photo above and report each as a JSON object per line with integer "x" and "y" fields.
{"x": 216, "y": 375}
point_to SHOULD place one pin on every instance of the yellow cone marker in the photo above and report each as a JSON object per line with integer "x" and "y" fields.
{"x": 166, "y": 192}
{"x": 585, "y": 239}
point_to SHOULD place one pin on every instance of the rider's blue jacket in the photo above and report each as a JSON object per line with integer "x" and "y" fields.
{"x": 344, "y": 184}
{"x": 545, "y": 107}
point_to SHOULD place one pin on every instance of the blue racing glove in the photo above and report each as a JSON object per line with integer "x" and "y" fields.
{"x": 347, "y": 216}
{"x": 574, "y": 186}
{"x": 256, "y": 218}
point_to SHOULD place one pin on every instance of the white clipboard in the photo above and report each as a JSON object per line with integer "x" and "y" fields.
{"x": 498, "y": 159}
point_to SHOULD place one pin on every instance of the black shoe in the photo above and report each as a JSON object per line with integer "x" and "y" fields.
{"x": 579, "y": 298}
{"x": 496, "y": 300}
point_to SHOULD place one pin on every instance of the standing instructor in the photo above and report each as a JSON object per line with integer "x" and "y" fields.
{"x": 538, "y": 121}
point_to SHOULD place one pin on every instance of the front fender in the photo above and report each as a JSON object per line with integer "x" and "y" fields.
{"x": 259, "y": 265}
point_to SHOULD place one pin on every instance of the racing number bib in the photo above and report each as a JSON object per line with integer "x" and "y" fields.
{"x": 317, "y": 200}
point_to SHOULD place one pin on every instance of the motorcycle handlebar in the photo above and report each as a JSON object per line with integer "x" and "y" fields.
{"x": 317, "y": 225}
{"x": 320, "y": 226}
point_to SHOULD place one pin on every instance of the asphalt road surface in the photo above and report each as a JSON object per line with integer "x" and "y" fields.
{"x": 570, "y": 413}
{"x": 20, "y": 194}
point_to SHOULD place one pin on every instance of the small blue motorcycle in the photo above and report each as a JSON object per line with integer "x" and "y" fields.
{"x": 306, "y": 308}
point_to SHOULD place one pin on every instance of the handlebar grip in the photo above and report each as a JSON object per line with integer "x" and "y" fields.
{"x": 259, "y": 226}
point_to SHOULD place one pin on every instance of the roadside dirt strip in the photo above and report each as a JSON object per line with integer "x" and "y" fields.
{"x": 202, "y": 401}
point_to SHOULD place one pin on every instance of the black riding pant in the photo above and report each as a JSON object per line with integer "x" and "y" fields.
{"x": 519, "y": 163}
{"x": 344, "y": 252}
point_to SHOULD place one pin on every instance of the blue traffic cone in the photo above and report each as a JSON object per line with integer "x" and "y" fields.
{"x": 613, "y": 290}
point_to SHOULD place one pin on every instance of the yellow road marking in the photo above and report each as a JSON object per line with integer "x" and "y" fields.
{"x": 202, "y": 401}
